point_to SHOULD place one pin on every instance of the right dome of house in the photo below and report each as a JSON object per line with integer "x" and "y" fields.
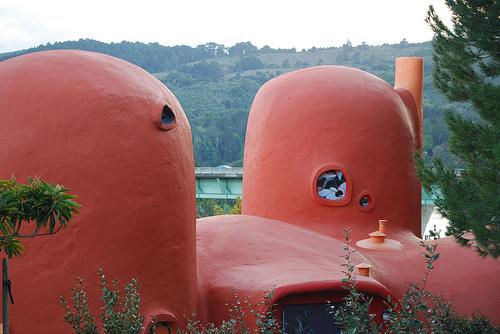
{"x": 331, "y": 147}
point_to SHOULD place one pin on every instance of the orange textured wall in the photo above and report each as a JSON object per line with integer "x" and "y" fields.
{"x": 92, "y": 123}
{"x": 330, "y": 116}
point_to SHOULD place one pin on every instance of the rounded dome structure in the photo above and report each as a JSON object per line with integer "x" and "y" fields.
{"x": 332, "y": 147}
{"x": 120, "y": 140}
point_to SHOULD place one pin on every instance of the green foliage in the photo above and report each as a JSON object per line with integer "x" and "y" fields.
{"x": 447, "y": 321}
{"x": 354, "y": 315}
{"x": 214, "y": 207}
{"x": 218, "y": 210}
{"x": 467, "y": 65}
{"x": 80, "y": 319}
{"x": 411, "y": 313}
{"x": 46, "y": 206}
{"x": 301, "y": 64}
{"x": 248, "y": 63}
{"x": 119, "y": 315}
{"x": 421, "y": 312}
{"x": 209, "y": 206}
{"x": 218, "y": 110}
{"x": 204, "y": 206}
{"x": 236, "y": 209}
{"x": 263, "y": 314}
{"x": 242, "y": 49}
{"x": 195, "y": 326}
{"x": 417, "y": 312}
{"x": 203, "y": 71}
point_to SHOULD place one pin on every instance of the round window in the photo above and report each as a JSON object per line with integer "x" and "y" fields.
{"x": 332, "y": 185}
{"x": 366, "y": 202}
{"x": 167, "y": 119}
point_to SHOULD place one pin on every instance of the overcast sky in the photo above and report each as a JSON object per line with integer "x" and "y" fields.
{"x": 285, "y": 24}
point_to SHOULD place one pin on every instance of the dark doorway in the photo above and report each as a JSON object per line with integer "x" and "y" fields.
{"x": 308, "y": 319}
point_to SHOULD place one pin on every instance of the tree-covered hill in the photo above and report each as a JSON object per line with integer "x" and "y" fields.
{"x": 216, "y": 84}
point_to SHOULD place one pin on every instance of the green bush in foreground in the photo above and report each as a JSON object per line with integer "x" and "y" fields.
{"x": 120, "y": 315}
{"x": 263, "y": 314}
{"x": 418, "y": 311}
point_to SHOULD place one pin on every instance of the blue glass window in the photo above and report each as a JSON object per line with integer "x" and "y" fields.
{"x": 332, "y": 185}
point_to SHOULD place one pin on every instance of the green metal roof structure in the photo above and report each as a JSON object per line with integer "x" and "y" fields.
{"x": 221, "y": 182}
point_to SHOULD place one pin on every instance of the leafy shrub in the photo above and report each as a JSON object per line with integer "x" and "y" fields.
{"x": 122, "y": 316}
{"x": 81, "y": 319}
{"x": 263, "y": 314}
{"x": 218, "y": 210}
{"x": 418, "y": 311}
{"x": 119, "y": 315}
{"x": 354, "y": 315}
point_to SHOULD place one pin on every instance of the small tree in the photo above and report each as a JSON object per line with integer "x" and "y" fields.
{"x": 466, "y": 68}
{"x": 44, "y": 206}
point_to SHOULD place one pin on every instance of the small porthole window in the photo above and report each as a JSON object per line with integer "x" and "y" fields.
{"x": 366, "y": 202}
{"x": 167, "y": 118}
{"x": 332, "y": 186}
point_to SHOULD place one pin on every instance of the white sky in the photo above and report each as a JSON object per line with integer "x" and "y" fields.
{"x": 278, "y": 23}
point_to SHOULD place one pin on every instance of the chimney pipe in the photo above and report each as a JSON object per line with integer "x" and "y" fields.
{"x": 377, "y": 240}
{"x": 410, "y": 77}
{"x": 377, "y": 237}
{"x": 364, "y": 269}
{"x": 382, "y": 225}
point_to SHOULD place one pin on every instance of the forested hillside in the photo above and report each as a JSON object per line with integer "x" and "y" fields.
{"x": 216, "y": 84}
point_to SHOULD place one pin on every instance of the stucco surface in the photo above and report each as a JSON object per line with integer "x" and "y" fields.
{"x": 253, "y": 255}
{"x": 337, "y": 117}
{"x": 90, "y": 122}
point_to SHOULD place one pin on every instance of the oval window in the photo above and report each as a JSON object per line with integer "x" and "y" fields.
{"x": 332, "y": 186}
{"x": 366, "y": 202}
{"x": 167, "y": 119}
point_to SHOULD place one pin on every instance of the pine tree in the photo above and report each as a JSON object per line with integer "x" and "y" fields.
{"x": 466, "y": 68}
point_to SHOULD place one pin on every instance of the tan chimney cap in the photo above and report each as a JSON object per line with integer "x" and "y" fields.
{"x": 363, "y": 265}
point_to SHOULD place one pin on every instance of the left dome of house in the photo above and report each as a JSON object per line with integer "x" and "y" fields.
{"x": 119, "y": 139}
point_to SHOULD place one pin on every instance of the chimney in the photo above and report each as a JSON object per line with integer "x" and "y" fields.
{"x": 364, "y": 269}
{"x": 377, "y": 240}
{"x": 409, "y": 78}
